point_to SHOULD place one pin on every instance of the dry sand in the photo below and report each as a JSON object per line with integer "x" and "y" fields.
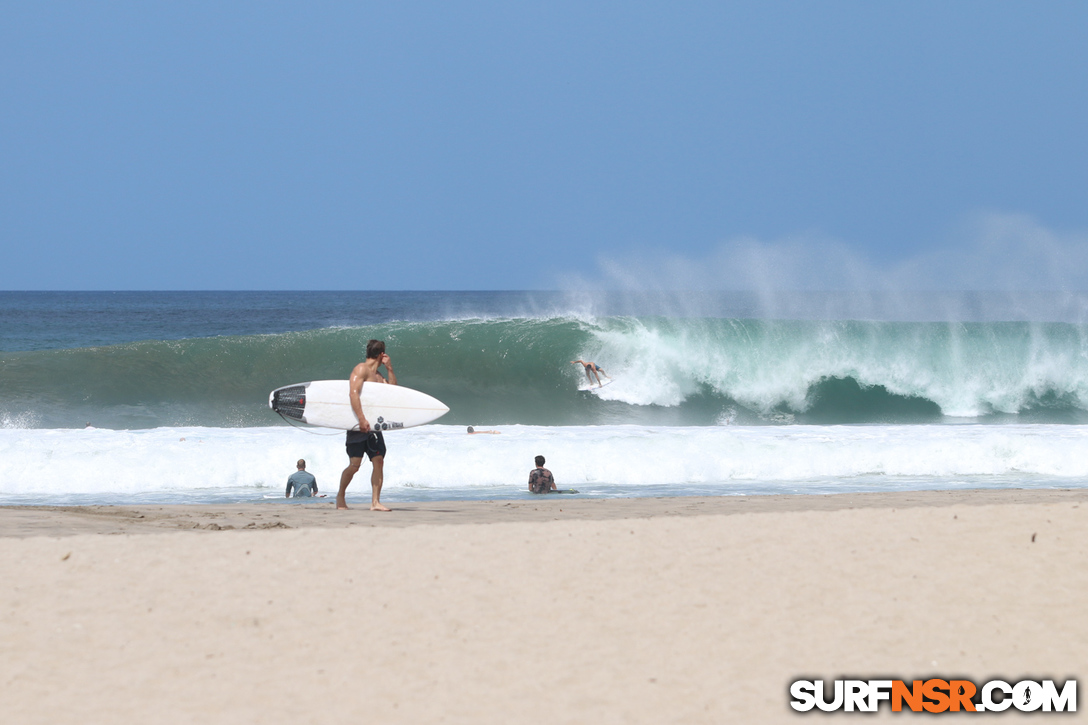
{"x": 551, "y": 610}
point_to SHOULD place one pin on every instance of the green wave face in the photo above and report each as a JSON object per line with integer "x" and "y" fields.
{"x": 666, "y": 371}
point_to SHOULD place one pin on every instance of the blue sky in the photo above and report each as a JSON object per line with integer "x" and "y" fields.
{"x": 410, "y": 145}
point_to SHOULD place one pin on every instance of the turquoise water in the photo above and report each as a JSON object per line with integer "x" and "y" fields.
{"x": 503, "y": 370}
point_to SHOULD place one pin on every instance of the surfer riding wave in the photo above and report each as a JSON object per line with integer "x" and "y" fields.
{"x": 592, "y": 370}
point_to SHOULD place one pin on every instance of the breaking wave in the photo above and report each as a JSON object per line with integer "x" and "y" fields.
{"x": 666, "y": 371}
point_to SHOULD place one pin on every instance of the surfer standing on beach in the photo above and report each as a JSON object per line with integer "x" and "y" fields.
{"x": 366, "y": 442}
{"x": 592, "y": 367}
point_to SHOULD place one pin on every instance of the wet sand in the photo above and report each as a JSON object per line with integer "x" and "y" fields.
{"x": 549, "y": 610}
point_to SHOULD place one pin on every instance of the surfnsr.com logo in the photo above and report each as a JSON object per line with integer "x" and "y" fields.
{"x": 934, "y": 695}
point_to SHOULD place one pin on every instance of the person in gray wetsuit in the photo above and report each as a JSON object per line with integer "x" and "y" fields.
{"x": 302, "y": 481}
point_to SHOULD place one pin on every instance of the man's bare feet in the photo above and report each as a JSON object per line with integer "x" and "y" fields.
{"x": 377, "y": 507}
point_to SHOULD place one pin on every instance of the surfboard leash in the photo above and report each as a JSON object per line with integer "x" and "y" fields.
{"x": 302, "y": 428}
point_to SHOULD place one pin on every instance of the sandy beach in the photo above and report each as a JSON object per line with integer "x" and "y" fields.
{"x": 550, "y": 610}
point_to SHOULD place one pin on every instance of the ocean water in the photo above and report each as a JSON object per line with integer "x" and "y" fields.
{"x": 713, "y": 393}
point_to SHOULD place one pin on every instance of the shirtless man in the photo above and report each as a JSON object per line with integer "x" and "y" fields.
{"x": 592, "y": 367}
{"x": 366, "y": 441}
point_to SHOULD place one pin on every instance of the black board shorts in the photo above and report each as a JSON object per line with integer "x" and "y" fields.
{"x": 372, "y": 445}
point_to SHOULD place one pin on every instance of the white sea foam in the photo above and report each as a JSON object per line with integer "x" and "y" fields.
{"x": 967, "y": 370}
{"x": 195, "y": 462}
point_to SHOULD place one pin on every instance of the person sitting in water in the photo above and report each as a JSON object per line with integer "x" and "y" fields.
{"x": 302, "y": 481}
{"x": 592, "y": 367}
{"x": 540, "y": 478}
{"x": 473, "y": 432}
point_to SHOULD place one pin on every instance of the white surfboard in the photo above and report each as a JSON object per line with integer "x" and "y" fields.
{"x": 325, "y": 403}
